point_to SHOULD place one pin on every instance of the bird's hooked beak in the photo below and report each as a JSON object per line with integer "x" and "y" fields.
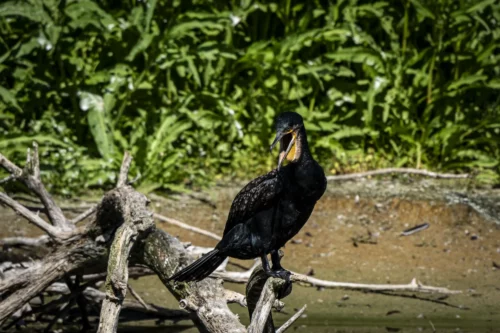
{"x": 280, "y": 138}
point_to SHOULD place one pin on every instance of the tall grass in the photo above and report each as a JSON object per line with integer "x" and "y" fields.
{"x": 191, "y": 87}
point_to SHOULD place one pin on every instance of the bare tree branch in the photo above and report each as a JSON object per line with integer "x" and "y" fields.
{"x": 24, "y": 241}
{"x": 51, "y": 230}
{"x": 398, "y": 170}
{"x": 412, "y": 286}
{"x": 84, "y": 215}
{"x": 186, "y": 226}
{"x": 137, "y": 296}
{"x": 30, "y": 176}
{"x": 292, "y": 319}
{"x": 13, "y": 169}
{"x": 122, "y": 177}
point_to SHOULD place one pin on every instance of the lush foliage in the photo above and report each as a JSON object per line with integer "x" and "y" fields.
{"x": 191, "y": 87}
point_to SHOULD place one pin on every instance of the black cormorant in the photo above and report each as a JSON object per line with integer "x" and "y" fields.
{"x": 269, "y": 210}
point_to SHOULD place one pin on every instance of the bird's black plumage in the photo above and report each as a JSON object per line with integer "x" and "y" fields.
{"x": 271, "y": 209}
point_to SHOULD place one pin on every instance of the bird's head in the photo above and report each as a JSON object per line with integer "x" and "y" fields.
{"x": 288, "y": 125}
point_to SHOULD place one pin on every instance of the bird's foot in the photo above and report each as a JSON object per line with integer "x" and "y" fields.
{"x": 286, "y": 289}
{"x": 280, "y": 273}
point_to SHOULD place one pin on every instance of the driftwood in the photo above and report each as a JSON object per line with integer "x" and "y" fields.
{"x": 119, "y": 241}
{"x": 136, "y": 222}
{"x": 121, "y": 219}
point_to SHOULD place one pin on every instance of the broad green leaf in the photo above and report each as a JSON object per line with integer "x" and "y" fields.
{"x": 9, "y": 98}
{"x": 466, "y": 80}
{"x": 99, "y": 122}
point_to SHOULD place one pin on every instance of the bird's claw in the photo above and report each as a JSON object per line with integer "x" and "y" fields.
{"x": 281, "y": 274}
{"x": 286, "y": 289}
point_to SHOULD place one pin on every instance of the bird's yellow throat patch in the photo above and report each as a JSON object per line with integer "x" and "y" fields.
{"x": 291, "y": 154}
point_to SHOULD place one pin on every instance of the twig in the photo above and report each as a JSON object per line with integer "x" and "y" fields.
{"x": 235, "y": 277}
{"x": 136, "y": 178}
{"x": 137, "y": 297}
{"x": 398, "y": 170}
{"x": 84, "y": 215}
{"x": 24, "y": 241}
{"x": 61, "y": 314}
{"x": 412, "y": 286}
{"x": 30, "y": 176}
{"x": 52, "y": 231}
{"x": 186, "y": 226}
{"x": 122, "y": 177}
{"x": 292, "y": 319}
{"x": 432, "y": 325}
{"x": 415, "y": 229}
{"x": 76, "y": 289}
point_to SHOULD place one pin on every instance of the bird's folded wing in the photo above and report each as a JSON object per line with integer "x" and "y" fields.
{"x": 260, "y": 194}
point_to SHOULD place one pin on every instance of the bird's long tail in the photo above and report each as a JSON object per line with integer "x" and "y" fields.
{"x": 201, "y": 268}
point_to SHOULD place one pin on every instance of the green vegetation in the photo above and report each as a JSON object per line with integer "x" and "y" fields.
{"x": 191, "y": 87}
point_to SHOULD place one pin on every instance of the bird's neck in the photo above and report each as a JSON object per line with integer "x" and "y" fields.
{"x": 303, "y": 153}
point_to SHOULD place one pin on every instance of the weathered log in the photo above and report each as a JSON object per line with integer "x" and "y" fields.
{"x": 205, "y": 300}
{"x": 138, "y": 220}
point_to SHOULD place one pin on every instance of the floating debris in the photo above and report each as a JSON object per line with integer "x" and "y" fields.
{"x": 415, "y": 229}
{"x": 392, "y": 312}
